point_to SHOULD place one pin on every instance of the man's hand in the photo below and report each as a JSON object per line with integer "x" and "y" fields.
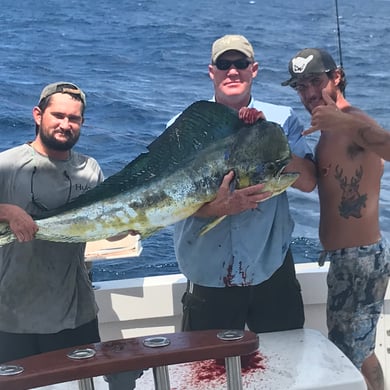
{"x": 250, "y": 115}
{"x": 20, "y": 222}
{"x": 326, "y": 117}
{"x": 229, "y": 202}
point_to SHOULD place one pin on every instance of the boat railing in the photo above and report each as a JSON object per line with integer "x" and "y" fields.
{"x": 156, "y": 352}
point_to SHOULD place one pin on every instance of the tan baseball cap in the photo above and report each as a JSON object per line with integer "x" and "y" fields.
{"x": 62, "y": 87}
{"x": 231, "y": 42}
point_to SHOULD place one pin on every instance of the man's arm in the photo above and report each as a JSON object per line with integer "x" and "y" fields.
{"x": 307, "y": 179}
{"x": 368, "y": 134}
{"x": 305, "y": 166}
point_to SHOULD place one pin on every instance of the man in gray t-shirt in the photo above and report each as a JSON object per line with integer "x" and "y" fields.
{"x": 46, "y": 298}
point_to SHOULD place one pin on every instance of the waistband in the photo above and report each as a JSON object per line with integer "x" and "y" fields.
{"x": 325, "y": 255}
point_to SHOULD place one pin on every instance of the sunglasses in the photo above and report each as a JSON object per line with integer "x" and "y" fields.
{"x": 240, "y": 64}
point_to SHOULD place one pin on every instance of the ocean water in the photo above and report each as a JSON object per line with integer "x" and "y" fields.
{"x": 141, "y": 62}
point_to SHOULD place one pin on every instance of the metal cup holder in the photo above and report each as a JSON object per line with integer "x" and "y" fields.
{"x": 6, "y": 370}
{"x": 156, "y": 342}
{"x": 79, "y": 354}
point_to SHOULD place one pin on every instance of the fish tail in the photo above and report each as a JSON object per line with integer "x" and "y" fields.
{"x": 6, "y": 235}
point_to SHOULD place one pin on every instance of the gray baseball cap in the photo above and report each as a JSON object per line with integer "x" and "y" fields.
{"x": 62, "y": 87}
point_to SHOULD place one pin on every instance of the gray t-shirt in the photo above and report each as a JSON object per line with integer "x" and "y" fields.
{"x": 44, "y": 286}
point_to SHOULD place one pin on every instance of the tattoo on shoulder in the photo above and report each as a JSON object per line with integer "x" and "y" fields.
{"x": 352, "y": 201}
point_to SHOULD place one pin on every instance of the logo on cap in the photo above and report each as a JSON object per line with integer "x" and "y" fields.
{"x": 299, "y": 64}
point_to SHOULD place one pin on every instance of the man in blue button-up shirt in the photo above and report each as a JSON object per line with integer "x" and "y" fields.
{"x": 242, "y": 272}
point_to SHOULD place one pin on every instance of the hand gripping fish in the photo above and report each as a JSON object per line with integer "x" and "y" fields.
{"x": 181, "y": 171}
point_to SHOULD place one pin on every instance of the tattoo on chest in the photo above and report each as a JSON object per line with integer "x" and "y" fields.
{"x": 352, "y": 201}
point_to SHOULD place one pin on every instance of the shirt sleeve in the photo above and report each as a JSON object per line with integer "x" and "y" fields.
{"x": 293, "y": 129}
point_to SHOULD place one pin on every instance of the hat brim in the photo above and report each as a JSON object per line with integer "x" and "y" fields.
{"x": 248, "y": 54}
{"x": 288, "y": 82}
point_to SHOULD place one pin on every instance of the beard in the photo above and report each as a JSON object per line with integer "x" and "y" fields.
{"x": 50, "y": 142}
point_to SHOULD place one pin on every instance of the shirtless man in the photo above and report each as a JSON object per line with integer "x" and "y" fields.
{"x": 349, "y": 175}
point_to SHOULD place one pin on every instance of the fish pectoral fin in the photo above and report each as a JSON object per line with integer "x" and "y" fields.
{"x": 211, "y": 225}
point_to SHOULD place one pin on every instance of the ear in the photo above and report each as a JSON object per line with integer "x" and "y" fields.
{"x": 255, "y": 69}
{"x": 211, "y": 71}
{"x": 337, "y": 76}
{"x": 37, "y": 115}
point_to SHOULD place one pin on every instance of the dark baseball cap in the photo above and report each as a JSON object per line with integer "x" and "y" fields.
{"x": 307, "y": 62}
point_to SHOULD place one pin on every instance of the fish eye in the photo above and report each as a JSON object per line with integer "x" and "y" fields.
{"x": 271, "y": 166}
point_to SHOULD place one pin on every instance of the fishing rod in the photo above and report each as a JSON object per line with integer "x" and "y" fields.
{"x": 338, "y": 33}
{"x": 339, "y": 39}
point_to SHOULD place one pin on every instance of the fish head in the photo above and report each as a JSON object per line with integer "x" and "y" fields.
{"x": 259, "y": 155}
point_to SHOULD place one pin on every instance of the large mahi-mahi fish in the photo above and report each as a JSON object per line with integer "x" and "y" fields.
{"x": 182, "y": 170}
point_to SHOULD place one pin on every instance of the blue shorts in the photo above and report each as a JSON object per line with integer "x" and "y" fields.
{"x": 357, "y": 282}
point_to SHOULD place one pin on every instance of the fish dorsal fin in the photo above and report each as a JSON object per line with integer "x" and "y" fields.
{"x": 195, "y": 129}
